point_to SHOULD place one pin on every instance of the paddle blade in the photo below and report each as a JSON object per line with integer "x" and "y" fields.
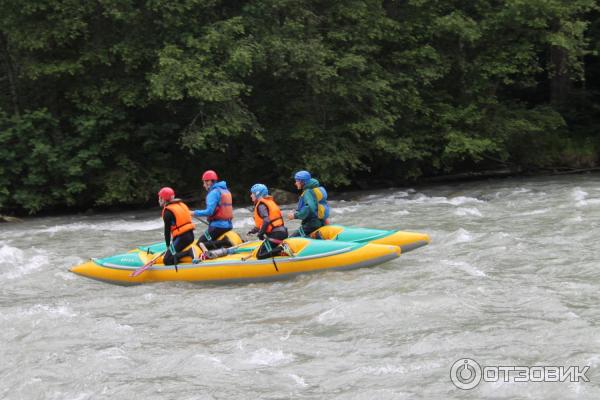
{"x": 145, "y": 267}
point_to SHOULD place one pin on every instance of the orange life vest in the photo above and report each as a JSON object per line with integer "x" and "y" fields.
{"x": 224, "y": 211}
{"x": 183, "y": 218}
{"x": 274, "y": 214}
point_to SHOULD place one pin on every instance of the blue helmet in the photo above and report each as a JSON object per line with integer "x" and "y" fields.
{"x": 302, "y": 176}
{"x": 259, "y": 190}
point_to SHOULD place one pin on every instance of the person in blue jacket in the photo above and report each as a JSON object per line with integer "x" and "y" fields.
{"x": 312, "y": 206}
{"x": 218, "y": 211}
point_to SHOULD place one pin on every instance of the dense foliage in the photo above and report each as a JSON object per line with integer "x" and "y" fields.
{"x": 102, "y": 102}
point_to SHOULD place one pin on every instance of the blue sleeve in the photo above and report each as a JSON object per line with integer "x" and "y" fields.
{"x": 212, "y": 200}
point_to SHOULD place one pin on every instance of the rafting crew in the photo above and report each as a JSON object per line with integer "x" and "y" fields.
{"x": 268, "y": 222}
{"x": 218, "y": 211}
{"x": 179, "y": 229}
{"x": 312, "y": 206}
{"x": 312, "y": 209}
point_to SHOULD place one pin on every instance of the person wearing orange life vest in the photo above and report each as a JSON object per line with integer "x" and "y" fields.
{"x": 268, "y": 222}
{"x": 179, "y": 229}
{"x": 218, "y": 211}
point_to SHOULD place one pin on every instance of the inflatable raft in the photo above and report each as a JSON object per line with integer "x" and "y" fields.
{"x": 407, "y": 241}
{"x": 302, "y": 255}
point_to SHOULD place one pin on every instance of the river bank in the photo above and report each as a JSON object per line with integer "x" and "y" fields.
{"x": 288, "y": 197}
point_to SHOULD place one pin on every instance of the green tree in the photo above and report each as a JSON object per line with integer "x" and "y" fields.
{"x": 103, "y": 102}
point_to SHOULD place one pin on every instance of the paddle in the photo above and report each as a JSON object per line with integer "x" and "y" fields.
{"x": 146, "y": 266}
{"x": 202, "y": 220}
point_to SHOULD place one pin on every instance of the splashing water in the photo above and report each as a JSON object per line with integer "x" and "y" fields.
{"x": 511, "y": 278}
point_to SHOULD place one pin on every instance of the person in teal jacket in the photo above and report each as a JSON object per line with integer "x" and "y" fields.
{"x": 312, "y": 206}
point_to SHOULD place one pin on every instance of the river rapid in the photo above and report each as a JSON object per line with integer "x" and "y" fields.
{"x": 511, "y": 278}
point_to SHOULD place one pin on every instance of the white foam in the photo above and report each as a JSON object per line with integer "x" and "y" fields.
{"x": 114, "y": 326}
{"x": 333, "y": 314}
{"x": 81, "y": 396}
{"x": 269, "y": 357}
{"x": 593, "y": 361}
{"x": 465, "y": 211}
{"x": 214, "y": 360}
{"x": 460, "y": 200}
{"x": 112, "y": 226}
{"x": 15, "y": 263}
{"x": 384, "y": 370}
{"x": 10, "y": 254}
{"x": 460, "y": 236}
{"x": 466, "y": 267}
{"x": 579, "y": 194}
{"x": 113, "y": 353}
{"x": 241, "y": 223}
{"x": 400, "y": 213}
{"x": 298, "y": 379}
{"x": 67, "y": 276}
{"x": 43, "y": 309}
{"x": 344, "y": 210}
{"x": 287, "y": 335}
{"x": 148, "y": 296}
{"x": 582, "y": 201}
{"x": 420, "y": 198}
{"x": 576, "y": 219}
{"x": 535, "y": 212}
{"x": 122, "y": 225}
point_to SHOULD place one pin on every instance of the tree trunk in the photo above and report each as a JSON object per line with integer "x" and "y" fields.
{"x": 10, "y": 72}
{"x": 559, "y": 73}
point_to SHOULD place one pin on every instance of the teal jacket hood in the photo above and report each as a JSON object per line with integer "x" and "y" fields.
{"x": 311, "y": 184}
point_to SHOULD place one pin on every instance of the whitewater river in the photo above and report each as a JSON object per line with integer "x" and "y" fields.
{"x": 511, "y": 278}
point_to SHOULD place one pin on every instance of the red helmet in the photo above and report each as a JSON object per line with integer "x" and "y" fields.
{"x": 166, "y": 193}
{"x": 209, "y": 175}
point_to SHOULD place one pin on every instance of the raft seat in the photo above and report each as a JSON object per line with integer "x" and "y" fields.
{"x": 327, "y": 232}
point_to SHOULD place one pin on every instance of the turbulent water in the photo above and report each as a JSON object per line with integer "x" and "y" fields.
{"x": 511, "y": 278}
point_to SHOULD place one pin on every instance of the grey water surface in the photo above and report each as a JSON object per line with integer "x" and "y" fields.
{"x": 511, "y": 278}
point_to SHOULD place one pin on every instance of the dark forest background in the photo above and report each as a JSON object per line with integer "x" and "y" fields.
{"x": 104, "y": 102}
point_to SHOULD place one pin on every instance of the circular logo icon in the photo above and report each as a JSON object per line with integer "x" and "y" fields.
{"x": 465, "y": 373}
